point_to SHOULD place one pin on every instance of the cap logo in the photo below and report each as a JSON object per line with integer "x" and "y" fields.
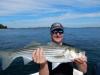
{"x": 57, "y": 25}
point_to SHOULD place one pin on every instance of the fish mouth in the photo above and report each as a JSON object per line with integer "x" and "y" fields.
{"x": 83, "y": 55}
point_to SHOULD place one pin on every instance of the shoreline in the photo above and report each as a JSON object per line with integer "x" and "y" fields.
{"x": 48, "y": 27}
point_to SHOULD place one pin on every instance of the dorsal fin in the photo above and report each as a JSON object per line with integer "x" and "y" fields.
{"x": 32, "y": 43}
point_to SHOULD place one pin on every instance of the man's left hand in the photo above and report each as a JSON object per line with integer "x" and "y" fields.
{"x": 79, "y": 60}
{"x": 81, "y": 64}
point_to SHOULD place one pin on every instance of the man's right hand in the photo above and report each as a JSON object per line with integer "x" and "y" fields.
{"x": 39, "y": 56}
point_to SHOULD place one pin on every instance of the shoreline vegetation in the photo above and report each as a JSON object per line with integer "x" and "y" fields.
{"x": 90, "y": 27}
{"x": 47, "y": 27}
{"x": 5, "y": 27}
{"x": 38, "y": 27}
{"x": 2, "y": 26}
{"x": 34, "y": 28}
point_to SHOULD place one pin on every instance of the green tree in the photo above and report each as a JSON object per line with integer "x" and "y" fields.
{"x": 3, "y": 27}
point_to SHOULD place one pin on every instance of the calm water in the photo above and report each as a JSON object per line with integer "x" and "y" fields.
{"x": 87, "y": 39}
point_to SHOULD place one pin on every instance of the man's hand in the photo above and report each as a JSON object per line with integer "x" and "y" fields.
{"x": 39, "y": 56}
{"x": 80, "y": 60}
{"x": 81, "y": 64}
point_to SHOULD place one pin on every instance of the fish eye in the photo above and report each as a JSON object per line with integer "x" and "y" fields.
{"x": 77, "y": 51}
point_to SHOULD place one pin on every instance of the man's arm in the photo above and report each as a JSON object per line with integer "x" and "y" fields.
{"x": 39, "y": 58}
{"x": 81, "y": 64}
{"x": 44, "y": 69}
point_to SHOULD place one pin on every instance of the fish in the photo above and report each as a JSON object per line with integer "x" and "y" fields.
{"x": 54, "y": 53}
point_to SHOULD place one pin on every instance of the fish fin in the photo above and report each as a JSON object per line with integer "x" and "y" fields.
{"x": 32, "y": 43}
{"x": 26, "y": 60}
{"x": 6, "y": 59}
{"x": 54, "y": 65}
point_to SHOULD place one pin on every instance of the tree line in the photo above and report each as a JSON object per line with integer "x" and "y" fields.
{"x": 3, "y": 27}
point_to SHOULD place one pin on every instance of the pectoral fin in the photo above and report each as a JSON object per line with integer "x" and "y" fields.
{"x": 26, "y": 60}
{"x": 54, "y": 65}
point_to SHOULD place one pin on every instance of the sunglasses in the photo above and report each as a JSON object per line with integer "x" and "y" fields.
{"x": 57, "y": 31}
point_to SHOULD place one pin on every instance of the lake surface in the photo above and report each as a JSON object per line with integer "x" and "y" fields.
{"x": 87, "y": 39}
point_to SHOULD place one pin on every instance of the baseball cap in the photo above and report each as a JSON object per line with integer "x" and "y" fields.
{"x": 56, "y": 26}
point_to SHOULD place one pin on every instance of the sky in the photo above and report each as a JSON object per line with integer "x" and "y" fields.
{"x": 43, "y": 13}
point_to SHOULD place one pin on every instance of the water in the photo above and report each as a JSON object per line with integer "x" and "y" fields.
{"x": 87, "y": 39}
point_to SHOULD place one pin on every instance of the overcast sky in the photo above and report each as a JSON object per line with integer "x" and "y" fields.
{"x": 42, "y": 13}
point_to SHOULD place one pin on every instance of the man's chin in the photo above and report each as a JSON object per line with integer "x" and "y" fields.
{"x": 58, "y": 40}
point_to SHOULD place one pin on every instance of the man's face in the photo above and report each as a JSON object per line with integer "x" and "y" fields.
{"x": 57, "y": 35}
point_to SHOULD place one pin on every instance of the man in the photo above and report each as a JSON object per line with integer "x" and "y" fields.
{"x": 57, "y": 31}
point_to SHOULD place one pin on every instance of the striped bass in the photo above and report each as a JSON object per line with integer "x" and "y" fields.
{"x": 54, "y": 53}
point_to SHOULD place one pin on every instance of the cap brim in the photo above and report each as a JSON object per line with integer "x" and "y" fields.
{"x": 56, "y": 28}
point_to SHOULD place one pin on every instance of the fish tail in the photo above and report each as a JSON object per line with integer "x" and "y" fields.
{"x": 6, "y": 59}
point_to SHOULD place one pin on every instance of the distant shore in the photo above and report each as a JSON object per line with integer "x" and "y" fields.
{"x": 90, "y": 27}
{"x": 31, "y": 28}
{"x": 47, "y": 27}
